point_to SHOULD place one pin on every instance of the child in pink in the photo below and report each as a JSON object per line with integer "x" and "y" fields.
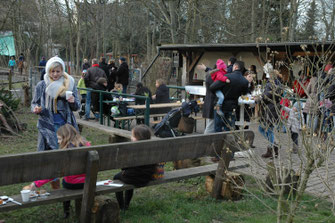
{"x": 68, "y": 137}
{"x": 219, "y": 75}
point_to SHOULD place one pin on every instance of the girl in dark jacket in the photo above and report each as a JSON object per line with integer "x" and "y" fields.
{"x": 162, "y": 96}
{"x": 138, "y": 176}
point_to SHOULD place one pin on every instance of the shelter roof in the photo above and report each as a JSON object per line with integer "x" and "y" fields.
{"x": 278, "y": 46}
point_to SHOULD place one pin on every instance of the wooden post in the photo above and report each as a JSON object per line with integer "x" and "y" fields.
{"x": 221, "y": 171}
{"x": 89, "y": 187}
{"x": 10, "y": 80}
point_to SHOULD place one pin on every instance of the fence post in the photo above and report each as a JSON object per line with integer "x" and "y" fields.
{"x": 31, "y": 82}
{"x": 100, "y": 108}
{"x": 147, "y": 111}
{"x": 10, "y": 80}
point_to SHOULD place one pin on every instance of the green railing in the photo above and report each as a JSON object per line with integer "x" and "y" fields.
{"x": 177, "y": 93}
{"x": 101, "y": 93}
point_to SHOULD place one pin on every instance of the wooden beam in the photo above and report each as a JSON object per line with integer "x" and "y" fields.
{"x": 28, "y": 167}
{"x": 92, "y": 169}
{"x": 195, "y": 61}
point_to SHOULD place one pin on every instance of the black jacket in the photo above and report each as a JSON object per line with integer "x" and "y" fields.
{"x": 207, "y": 109}
{"x": 86, "y": 66}
{"x": 92, "y": 76}
{"x": 123, "y": 74}
{"x": 104, "y": 67}
{"x": 232, "y": 91}
{"x": 162, "y": 96}
{"x": 138, "y": 176}
{"x": 95, "y": 98}
{"x": 142, "y": 92}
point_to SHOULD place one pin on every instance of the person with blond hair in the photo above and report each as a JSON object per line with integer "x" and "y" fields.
{"x": 55, "y": 99}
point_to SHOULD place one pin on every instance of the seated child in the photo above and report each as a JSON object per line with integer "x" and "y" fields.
{"x": 219, "y": 75}
{"x": 138, "y": 176}
{"x": 117, "y": 88}
{"x": 68, "y": 137}
{"x": 81, "y": 84}
{"x": 294, "y": 122}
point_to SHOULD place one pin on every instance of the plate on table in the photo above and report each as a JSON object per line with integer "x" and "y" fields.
{"x": 109, "y": 183}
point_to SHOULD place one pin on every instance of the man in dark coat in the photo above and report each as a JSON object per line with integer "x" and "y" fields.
{"x": 232, "y": 91}
{"x": 103, "y": 65}
{"x": 91, "y": 78}
{"x": 86, "y": 65}
{"x": 122, "y": 74}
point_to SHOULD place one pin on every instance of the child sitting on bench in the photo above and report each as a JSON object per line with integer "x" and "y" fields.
{"x": 138, "y": 176}
{"x": 68, "y": 137}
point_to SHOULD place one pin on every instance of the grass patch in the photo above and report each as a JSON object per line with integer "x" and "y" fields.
{"x": 183, "y": 201}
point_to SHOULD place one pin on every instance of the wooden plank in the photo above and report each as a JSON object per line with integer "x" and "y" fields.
{"x": 108, "y": 130}
{"x": 161, "y": 105}
{"x": 64, "y": 194}
{"x": 92, "y": 169}
{"x": 27, "y": 167}
{"x": 137, "y": 116}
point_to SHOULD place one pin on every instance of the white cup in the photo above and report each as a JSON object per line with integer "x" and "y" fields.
{"x": 68, "y": 94}
{"x": 25, "y": 194}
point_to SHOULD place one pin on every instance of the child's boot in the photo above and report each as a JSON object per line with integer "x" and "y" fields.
{"x": 66, "y": 207}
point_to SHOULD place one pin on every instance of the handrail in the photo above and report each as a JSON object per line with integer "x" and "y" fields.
{"x": 101, "y": 93}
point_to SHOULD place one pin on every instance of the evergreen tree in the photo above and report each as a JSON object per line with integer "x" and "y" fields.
{"x": 310, "y": 22}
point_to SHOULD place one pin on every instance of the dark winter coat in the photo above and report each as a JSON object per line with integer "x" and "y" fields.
{"x": 92, "y": 76}
{"x": 138, "y": 176}
{"x": 208, "y": 107}
{"x": 105, "y": 68}
{"x": 112, "y": 76}
{"x": 162, "y": 96}
{"x": 232, "y": 91}
{"x": 95, "y": 98}
{"x": 142, "y": 91}
{"x": 86, "y": 66}
{"x": 270, "y": 103}
{"x": 123, "y": 74}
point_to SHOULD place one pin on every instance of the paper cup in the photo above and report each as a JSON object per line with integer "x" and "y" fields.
{"x": 68, "y": 94}
{"x": 25, "y": 194}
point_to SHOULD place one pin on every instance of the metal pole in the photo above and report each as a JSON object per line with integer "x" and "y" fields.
{"x": 152, "y": 62}
{"x": 31, "y": 82}
{"x": 147, "y": 111}
{"x": 100, "y": 108}
{"x": 10, "y": 80}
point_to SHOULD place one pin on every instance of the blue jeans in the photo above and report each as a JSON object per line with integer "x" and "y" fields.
{"x": 88, "y": 105}
{"x": 268, "y": 134}
{"x": 227, "y": 121}
{"x": 124, "y": 88}
{"x": 220, "y": 96}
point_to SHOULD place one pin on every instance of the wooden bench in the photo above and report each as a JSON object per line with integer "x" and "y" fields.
{"x": 128, "y": 119}
{"x": 28, "y": 167}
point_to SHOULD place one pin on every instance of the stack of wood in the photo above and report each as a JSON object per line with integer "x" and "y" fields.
{"x": 232, "y": 186}
{"x": 9, "y": 123}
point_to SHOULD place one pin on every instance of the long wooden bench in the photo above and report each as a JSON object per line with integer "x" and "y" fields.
{"x": 27, "y": 167}
{"x": 126, "y": 120}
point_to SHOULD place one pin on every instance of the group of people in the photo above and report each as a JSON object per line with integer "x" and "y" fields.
{"x": 55, "y": 99}
{"x": 102, "y": 76}
{"x": 20, "y": 63}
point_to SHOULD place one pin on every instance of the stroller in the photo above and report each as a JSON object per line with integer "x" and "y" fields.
{"x": 166, "y": 128}
{"x": 81, "y": 111}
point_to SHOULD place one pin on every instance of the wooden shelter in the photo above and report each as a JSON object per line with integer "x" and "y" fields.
{"x": 189, "y": 55}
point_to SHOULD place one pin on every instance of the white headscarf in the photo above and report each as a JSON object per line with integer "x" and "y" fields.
{"x": 57, "y": 88}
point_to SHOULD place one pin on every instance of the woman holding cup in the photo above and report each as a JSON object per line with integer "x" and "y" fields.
{"x": 55, "y": 99}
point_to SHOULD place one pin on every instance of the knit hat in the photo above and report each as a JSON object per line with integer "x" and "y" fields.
{"x": 221, "y": 65}
{"x": 101, "y": 80}
{"x": 54, "y": 60}
{"x": 122, "y": 59}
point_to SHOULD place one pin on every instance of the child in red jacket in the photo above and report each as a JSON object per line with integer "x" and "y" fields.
{"x": 68, "y": 137}
{"x": 219, "y": 75}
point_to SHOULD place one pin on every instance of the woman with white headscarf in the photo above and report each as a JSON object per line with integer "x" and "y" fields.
{"x": 54, "y": 101}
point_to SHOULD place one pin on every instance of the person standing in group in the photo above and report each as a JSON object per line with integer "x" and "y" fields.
{"x": 68, "y": 137}
{"x": 12, "y": 64}
{"x": 238, "y": 86}
{"x": 81, "y": 84}
{"x": 231, "y": 62}
{"x": 86, "y": 64}
{"x": 270, "y": 109}
{"x": 139, "y": 175}
{"x": 21, "y": 63}
{"x": 91, "y": 78}
{"x": 122, "y": 74}
{"x": 112, "y": 74}
{"x": 54, "y": 101}
{"x": 162, "y": 95}
{"x": 208, "y": 107}
{"x": 104, "y": 66}
{"x": 41, "y": 68}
